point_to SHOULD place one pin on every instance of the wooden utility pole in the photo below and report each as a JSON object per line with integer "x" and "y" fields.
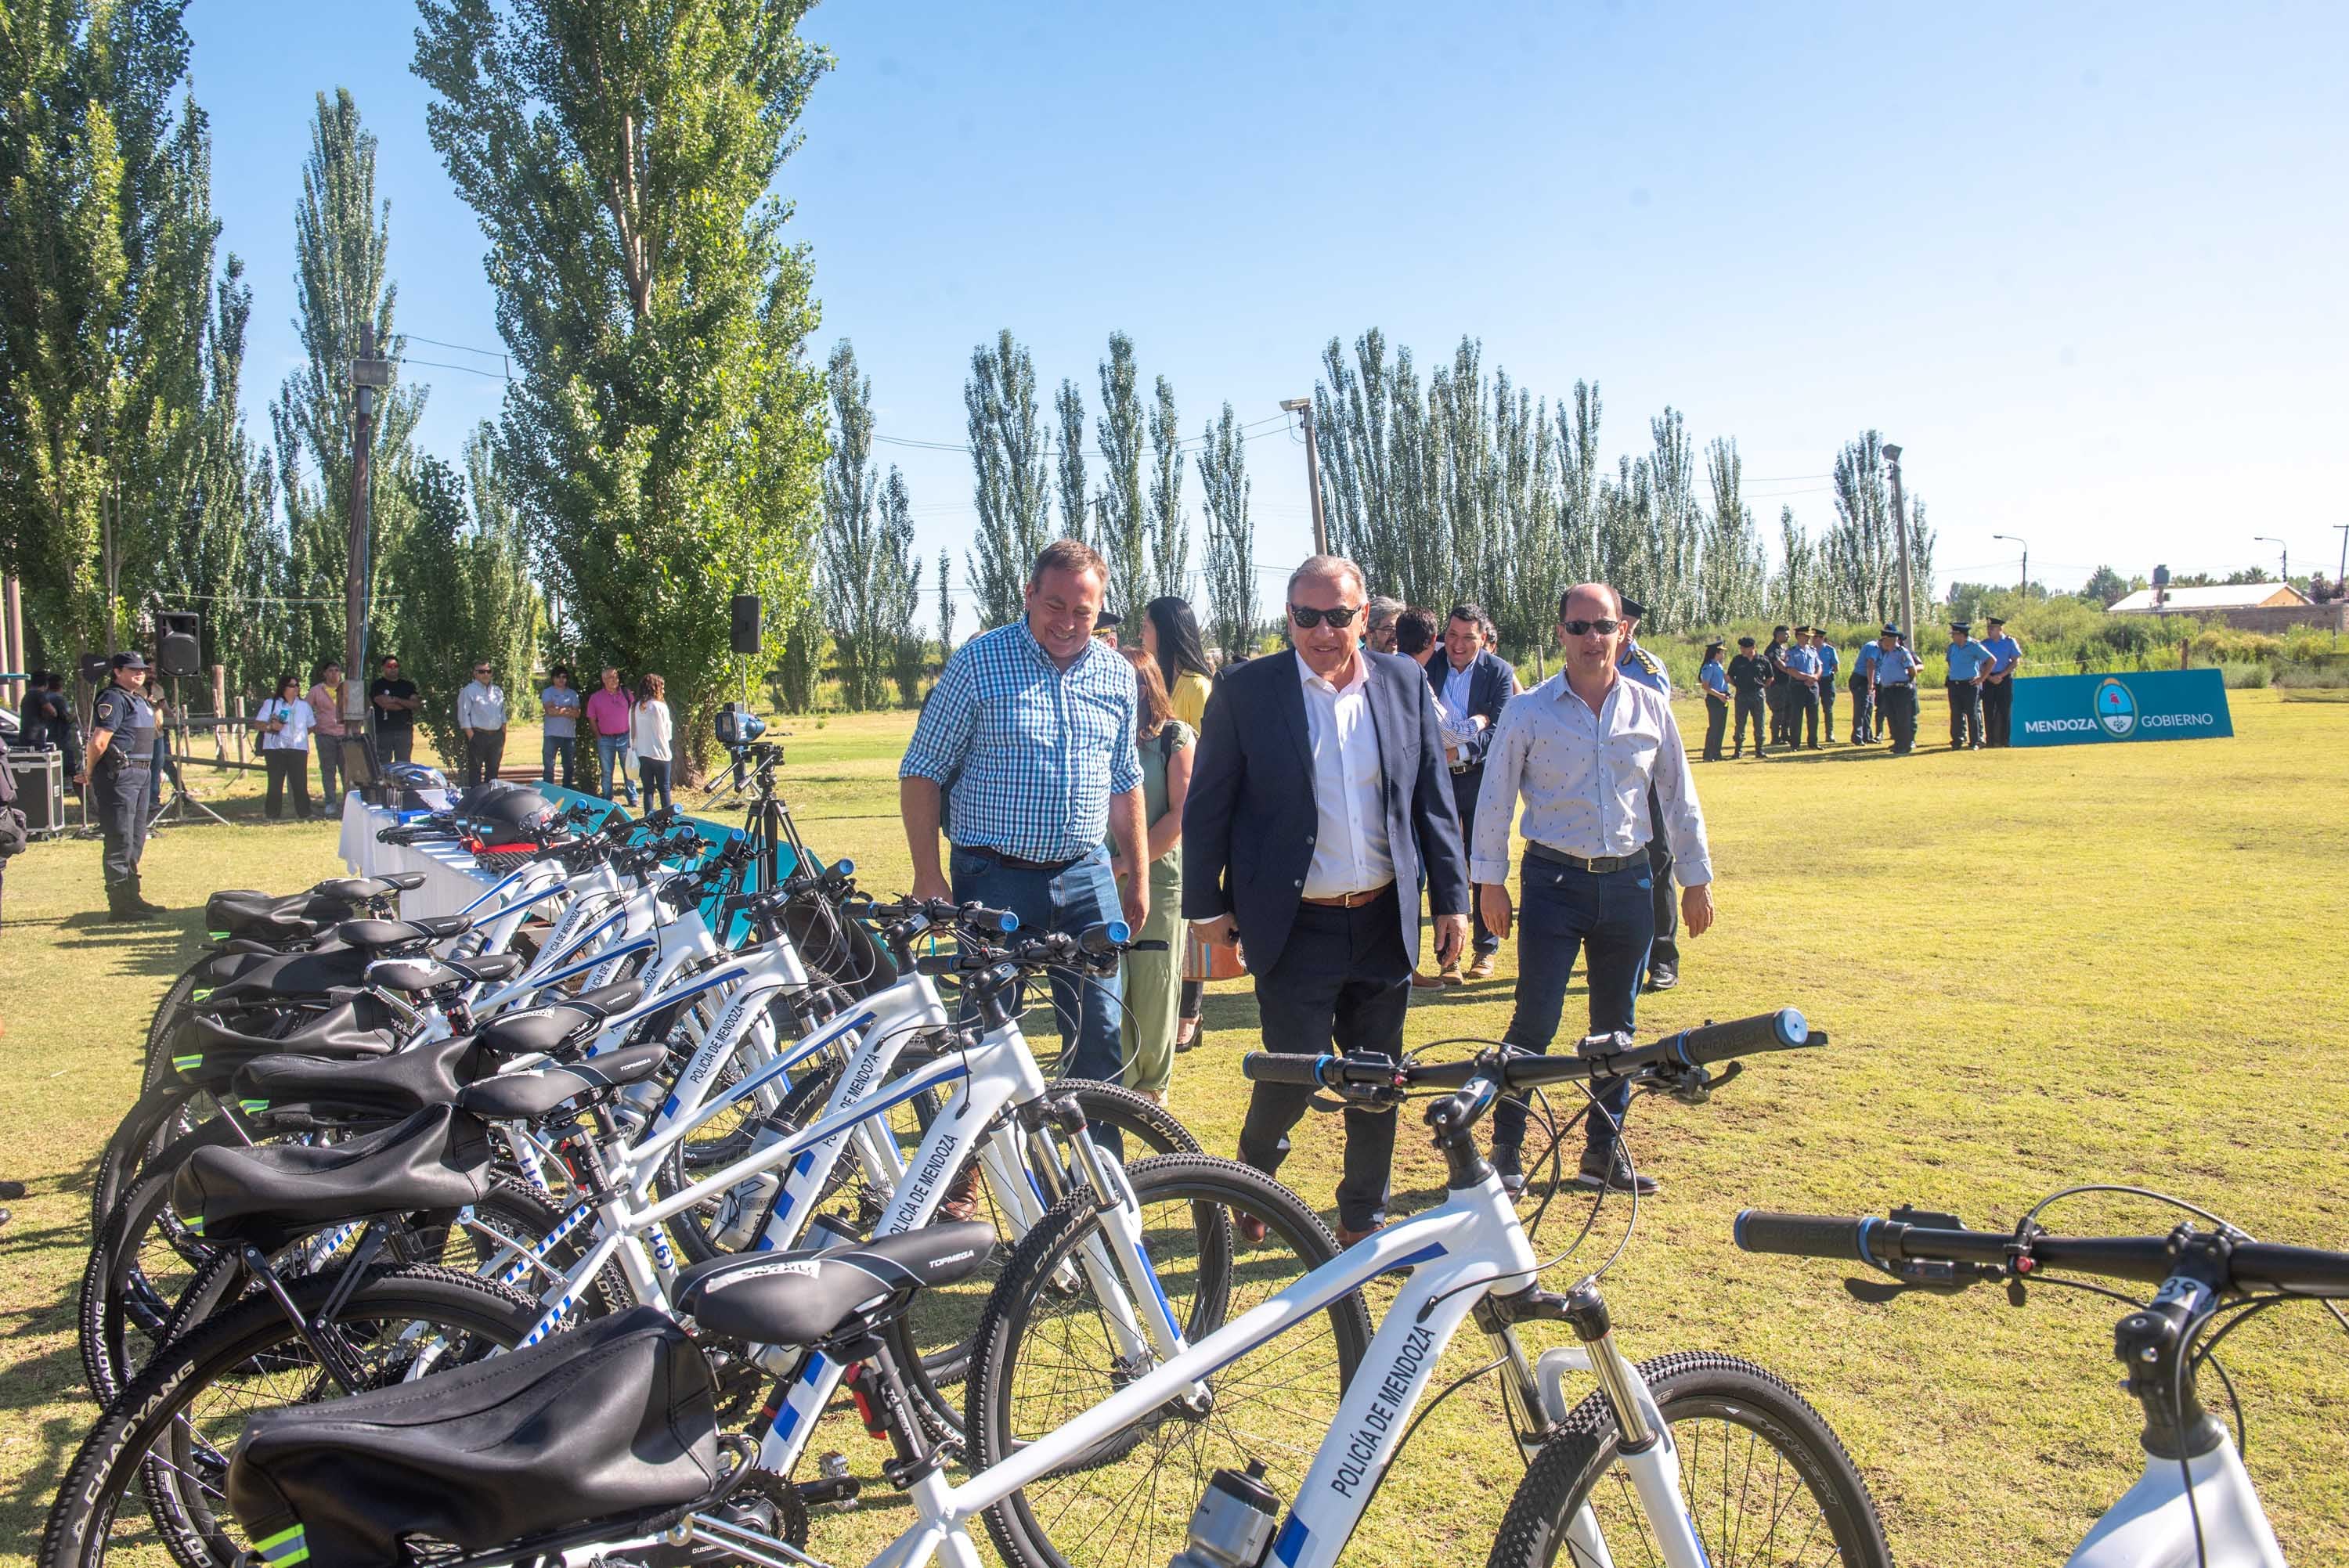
{"x": 367, "y": 374}
{"x": 1303, "y": 408}
{"x": 1901, "y": 531}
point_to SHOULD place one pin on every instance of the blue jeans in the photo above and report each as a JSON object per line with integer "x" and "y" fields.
{"x": 1082, "y": 897}
{"x": 609, "y": 750}
{"x": 1610, "y": 919}
{"x": 550, "y": 747}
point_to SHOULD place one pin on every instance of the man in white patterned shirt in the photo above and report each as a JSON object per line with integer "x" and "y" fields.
{"x": 1583, "y": 748}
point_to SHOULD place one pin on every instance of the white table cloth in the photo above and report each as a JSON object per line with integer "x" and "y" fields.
{"x": 451, "y": 880}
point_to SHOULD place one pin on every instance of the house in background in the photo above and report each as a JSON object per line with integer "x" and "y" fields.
{"x": 2248, "y": 606}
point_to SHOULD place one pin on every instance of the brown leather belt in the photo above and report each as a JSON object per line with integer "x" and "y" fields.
{"x": 1351, "y": 900}
{"x": 1597, "y": 865}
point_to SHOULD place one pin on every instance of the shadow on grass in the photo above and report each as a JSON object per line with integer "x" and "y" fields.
{"x": 158, "y": 947}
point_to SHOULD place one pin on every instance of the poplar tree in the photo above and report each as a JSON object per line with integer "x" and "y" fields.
{"x": 901, "y": 597}
{"x": 1069, "y": 448}
{"x": 1120, "y": 530}
{"x": 666, "y": 432}
{"x": 1010, "y": 467}
{"x": 463, "y": 566}
{"x": 1734, "y": 577}
{"x": 342, "y": 283}
{"x": 1231, "y": 536}
{"x": 855, "y": 576}
{"x": 1170, "y": 531}
{"x": 945, "y": 606}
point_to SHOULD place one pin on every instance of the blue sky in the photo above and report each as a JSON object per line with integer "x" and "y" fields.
{"x": 2082, "y": 261}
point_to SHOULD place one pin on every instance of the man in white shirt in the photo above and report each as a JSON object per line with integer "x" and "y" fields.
{"x": 1318, "y": 793}
{"x": 481, "y": 715}
{"x": 1582, "y": 749}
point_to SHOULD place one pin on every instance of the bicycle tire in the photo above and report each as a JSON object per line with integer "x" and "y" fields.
{"x": 1101, "y": 1491}
{"x": 253, "y": 1340}
{"x": 175, "y": 1005}
{"x": 1694, "y": 1389}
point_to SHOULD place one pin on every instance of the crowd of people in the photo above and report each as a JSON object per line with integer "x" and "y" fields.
{"x": 1793, "y": 682}
{"x": 1317, "y": 813}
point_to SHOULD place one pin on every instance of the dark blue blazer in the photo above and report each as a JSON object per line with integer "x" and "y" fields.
{"x": 1249, "y": 821}
{"x": 1488, "y": 689}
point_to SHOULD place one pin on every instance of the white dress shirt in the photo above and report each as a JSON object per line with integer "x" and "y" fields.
{"x": 1452, "y": 705}
{"x": 293, "y": 717}
{"x": 481, "y": 706}
{"x": 1585, "y": 778}
{"x": 1350, "y": 852}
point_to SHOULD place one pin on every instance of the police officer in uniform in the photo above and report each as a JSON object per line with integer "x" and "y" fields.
{"x": 121, "y": 750}
{"x": 1998, "y": 691}
{"x": 1749, "y": 677}
{"x": 1800, "y": 665}
{"x": 1829, "y": 661}
{"x": 1895, "y": 690}
{"x": 1775, "y": 657}
{"x": 1863, "y": 694}
{"x": 1664, "y": 954}
{"x": 1969, "y": 665}
{"x": 1715, "y": 681}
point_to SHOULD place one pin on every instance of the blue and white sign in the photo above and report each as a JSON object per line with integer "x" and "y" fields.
{"x": 2155, "y": 705}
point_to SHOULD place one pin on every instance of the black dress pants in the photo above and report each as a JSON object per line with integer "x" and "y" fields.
{"x": 119, "y": 801}
{"x": 1749, "y": 708}
{"x": 1998, "y": 711}
{"x": 1716, "y": 724}
{"x": 1965, "y": 714}
{"x": 1465, "y": 790}
{"x": 1665, "y": 951}
{"x": 1801, "y": 708}
{"x": 1342, "y": 981}
{"x": 1898, "y": 703}
{"x": 485, "y": 753}
{"x": 289, "y": 772}
{"x": 1827, "y": 706}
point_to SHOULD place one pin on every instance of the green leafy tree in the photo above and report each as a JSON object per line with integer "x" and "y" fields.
{"x": 1011, "y": 473}
{"x": 1170, "y": 530}
{"x": 342, "y": 283}
{"x": 2105, "y": 586}
{"x": 106, "y": 281}
{"x": 1069, "y": 458}
{"x": 799, "y": 674}
{"x": 1120, "y": 530}
{"x": 857, "y": 581}
{"x": 1231, "y": 536}
{"x": 464, "y": 566}
{"x": 666, "y": 434}
{"x": 946, "y": 604}
{"x": 1733, "y": 582}
{"x": 901, "y": 603}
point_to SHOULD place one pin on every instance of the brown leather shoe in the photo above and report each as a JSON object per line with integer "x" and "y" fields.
{"x": 1483, "y": 968}
{"x": 1252, "y": 1230}
{"x": 1450, "y": 974}
{"x": 1424, "y": 982}
{"x": 961, "y": 1201}
{"x": 1347, "y": 1238}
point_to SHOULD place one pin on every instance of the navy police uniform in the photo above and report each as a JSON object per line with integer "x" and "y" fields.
{"x": 1749, "y": 679}
{"x": 1896, "y": 692}
{"x": 1969, "y": 662}
{"x": 118, "y": 788}
{"x": 1715, "y": 681}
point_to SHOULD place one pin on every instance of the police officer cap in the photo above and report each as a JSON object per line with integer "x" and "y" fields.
{"x": 1107, "y": 618}
{"x": 1892, "y": 631}
{"x": 1715, "y": 646}
{"x": 1995, "y": 620}
{"x": 1742, "y": 642}
{"x": 1805, "y": 630}
{"x": 1961, "y": 625}
{"x": 1632, "y": 609}
{"x": 130, "y": 661}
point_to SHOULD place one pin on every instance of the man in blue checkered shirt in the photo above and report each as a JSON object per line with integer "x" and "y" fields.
{"x": 1029, "y": 736}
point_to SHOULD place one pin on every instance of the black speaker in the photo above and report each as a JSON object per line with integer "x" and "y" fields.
{"x": 178, "y": 642}
{"x": 96, "y": 668}
{"x": 746, "y": 623}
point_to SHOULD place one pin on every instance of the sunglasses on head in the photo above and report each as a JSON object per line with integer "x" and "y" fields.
{"x": 1340, "y": 617}
{"x": 1577, "y": 628}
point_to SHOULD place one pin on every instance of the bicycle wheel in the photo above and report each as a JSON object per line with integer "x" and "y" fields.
{"x": 175, "y": 1426}
{"x": 175, "y": 1005}
{"x": 941, "y": 1327}
{"x": 1762, "y": 1478}
{"x": 1047, "y": 1354}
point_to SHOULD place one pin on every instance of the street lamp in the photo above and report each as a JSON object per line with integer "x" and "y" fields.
{"x": 2263, "y": 538}
{"x": 2018, "y": 539}
{"x": 1303, "y": 408}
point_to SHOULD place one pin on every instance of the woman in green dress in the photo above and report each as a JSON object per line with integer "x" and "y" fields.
{"x": 1153, "y": 981}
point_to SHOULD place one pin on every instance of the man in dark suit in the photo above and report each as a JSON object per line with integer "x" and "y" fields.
{"x": 1319, "y": 797}
{"x": 1470, "y": 686}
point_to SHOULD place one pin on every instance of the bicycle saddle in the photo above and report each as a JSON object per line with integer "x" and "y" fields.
{"x": 207, "y": 1051}
{"x": 383, "y": 1088}
{"x": 612, "y": 1418}
{"x": 534, "y": 1092}
{"x": 253, "y": 982}
{"x": 401, "y": 932}
{"x": 415, "y": 974}
{"x": 537, "y": 1031}
{"x": 268, "y": 1195}
{"x": 809, "y": 1298}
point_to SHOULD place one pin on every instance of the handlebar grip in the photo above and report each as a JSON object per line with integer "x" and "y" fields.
{"x": 1270, "y": 1067}
{"x": 985, "y": 919}
{"x": 1106, "y": 938}
{"x": 1780, "y": 1031}
{"x": 1802, "y": 1235}
{"x": 938, "y": 963}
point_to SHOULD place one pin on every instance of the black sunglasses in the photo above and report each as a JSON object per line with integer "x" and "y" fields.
{"x": 1577, "y": 628}
{"x": 1340, "y": 617}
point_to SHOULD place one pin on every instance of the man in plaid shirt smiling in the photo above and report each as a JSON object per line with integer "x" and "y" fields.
{"x": 1028, "y": 738}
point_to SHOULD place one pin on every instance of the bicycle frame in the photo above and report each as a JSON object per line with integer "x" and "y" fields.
{"x": 2152, "y": 1527}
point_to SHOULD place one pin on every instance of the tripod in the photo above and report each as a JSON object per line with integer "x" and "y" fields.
{"x": 765, "y": 823}
{"x": 181, "y": 806}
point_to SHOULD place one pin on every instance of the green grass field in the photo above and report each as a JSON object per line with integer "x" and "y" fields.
{"x": 2038, "y": 968}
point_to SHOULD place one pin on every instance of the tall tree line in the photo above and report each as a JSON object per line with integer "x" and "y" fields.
{"x": 869, "y": 578}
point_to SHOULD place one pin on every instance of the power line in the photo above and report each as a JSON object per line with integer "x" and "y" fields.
{"x": 1189, "y": 443}
{"x": 468, "y": 370}
{"x": 460, "y": 348}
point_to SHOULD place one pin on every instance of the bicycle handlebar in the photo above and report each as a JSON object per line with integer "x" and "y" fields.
{"x": 1782, "y": 1030}
{"x": 1882, "y": 1243}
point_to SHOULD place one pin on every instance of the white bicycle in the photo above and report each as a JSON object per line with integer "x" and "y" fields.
{"x": 2195, "y": 1506}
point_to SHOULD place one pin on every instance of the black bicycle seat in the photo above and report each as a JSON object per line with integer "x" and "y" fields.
{"x": 260, "y": 982}
{"x": 268, "y": 1195}
{"x": 534, "y": 1092}
{"x": 808, "y": 1298}
{"x": 358, "y": 890}
{"x": 606, "y": 1000}
{"x": 612, "y": 1419}
{"x": 208, "y": 1051}
{"x": 537, "y": 1031}
{"x": 378, "y": 1088}
{"x": 381, "y": 933}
